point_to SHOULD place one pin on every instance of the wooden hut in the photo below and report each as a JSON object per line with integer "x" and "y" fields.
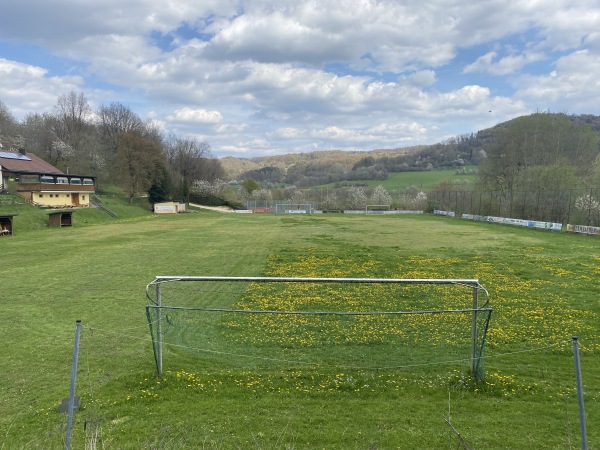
{"x": 6, "y": 224}
{"x": 60, "y": 218}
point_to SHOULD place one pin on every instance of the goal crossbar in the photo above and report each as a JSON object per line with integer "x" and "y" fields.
{"x": 473, "y": 283}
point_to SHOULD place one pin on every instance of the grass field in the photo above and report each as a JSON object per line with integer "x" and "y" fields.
{"x": 398, "y": 181}
{"x": 544, "y": 288}
{"x": 422, "y": 180}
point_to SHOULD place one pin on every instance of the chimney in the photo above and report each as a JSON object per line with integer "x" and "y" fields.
{"x": 22, "y": 151}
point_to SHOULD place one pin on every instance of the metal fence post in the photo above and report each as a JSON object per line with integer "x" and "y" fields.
{"x": 580, "y": 394}
{"x": 73, "y": 379}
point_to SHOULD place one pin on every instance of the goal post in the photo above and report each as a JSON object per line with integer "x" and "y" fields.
{"x": 169, "y": 294}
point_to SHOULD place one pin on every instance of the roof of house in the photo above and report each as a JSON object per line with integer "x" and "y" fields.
{"x": 23, "y": 162}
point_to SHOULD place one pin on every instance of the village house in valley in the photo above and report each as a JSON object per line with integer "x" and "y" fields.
{"x": 42, "y": 184}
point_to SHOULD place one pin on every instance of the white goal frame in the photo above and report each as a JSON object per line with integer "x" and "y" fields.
{"x": 472, "y": 284}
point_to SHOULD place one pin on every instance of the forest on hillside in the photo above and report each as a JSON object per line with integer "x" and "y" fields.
{"x": 506, "y": 156}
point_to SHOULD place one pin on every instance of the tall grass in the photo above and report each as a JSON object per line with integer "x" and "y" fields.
{"x": 543, "y": 286}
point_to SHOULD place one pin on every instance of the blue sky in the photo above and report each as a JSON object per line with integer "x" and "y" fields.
{"x": 270, "y": 77}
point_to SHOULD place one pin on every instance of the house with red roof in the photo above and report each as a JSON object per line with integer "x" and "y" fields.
{"x": 42, "y": 184}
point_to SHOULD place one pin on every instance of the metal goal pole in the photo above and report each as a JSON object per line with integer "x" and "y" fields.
{"x": 159, "y": 343}
{"x": 474, "y": 358}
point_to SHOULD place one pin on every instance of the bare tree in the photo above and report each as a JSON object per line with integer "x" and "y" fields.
{"x": 9, "y": 134}
{"x": 185, "y": 156}
{"x": 113, "y": 120}
{"x": 72, "y": 112}
{"x": 40, "y": 138}
{"x": 140, "y": 161}
{"x": 190, "y": 160}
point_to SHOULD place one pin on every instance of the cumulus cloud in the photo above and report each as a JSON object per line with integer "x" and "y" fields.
{"x": 421, "y": 78}
{"x": 571, "y": 86}
{"x": 196, "y": 115}
{"x": 263, "y": 76}
{"x": 494, "y": 65}
{"x": 28, "y": 88}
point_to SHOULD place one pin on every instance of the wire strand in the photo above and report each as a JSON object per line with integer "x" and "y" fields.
{"x": 264, "y": 358}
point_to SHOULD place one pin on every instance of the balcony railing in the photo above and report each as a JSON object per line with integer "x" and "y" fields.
{"x": 51, "y": 187}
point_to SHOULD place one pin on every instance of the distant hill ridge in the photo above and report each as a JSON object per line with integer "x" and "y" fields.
{"x": 313, "y": 167}
{"x": 236, "y": 166}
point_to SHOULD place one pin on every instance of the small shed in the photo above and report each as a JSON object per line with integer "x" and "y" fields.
{"x": 6, "y": 224}
{"x": 169, "y": 208}
{"x": 60, "y": 218}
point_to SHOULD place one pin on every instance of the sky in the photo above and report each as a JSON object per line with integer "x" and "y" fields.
{"x": 264, "y": 77}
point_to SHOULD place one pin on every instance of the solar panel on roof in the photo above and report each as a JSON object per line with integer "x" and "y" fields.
{"x": 9, "y": 155}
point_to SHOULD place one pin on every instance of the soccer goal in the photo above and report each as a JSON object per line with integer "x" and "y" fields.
{"x": 294, "y": 208}
{"x": 359, "y": 323}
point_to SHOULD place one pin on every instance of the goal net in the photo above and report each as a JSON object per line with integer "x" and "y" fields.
{"x": 336, "y": 323}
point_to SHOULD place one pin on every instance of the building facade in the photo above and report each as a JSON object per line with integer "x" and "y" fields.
{"x": 42, "y": 184}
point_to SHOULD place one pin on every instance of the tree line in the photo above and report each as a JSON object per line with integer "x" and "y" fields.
{"x": 113, "y": 144}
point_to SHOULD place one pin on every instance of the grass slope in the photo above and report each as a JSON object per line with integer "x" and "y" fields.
{"x": 544, "y": 289}
{"x": 398, "y": 181}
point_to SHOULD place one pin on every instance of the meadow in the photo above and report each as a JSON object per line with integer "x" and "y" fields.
{"x": 544, "y": 288}
{"x": 399, "y": 181}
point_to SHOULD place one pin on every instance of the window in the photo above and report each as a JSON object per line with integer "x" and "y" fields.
{"x": 75, "y": 180}
{"x": 47, "y": 179}
{"x": 88, "y": 181}
{"x": 83, "y": 197}
{"x": 62, "y": 180}
{"x": 29, "y": 179}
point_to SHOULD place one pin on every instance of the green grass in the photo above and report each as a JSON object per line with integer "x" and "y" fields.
{"x": 31, "y": 218}
{"x": 543, "y": 286}
{"x": 398, "y": 181}
{"x": 422, "y": 180}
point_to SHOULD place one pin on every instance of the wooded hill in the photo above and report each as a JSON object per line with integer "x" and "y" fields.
{"x": 533, "y": 140}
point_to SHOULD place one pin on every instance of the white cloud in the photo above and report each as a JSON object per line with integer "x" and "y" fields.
{"x": 421, "y": 78}
{"x": 511, "y": 64}
{"x": 196, "y": 115}
{"x": 288, "y": 133}
{"x": 27, "y": 88}
{"x": 571, "y": 87}
{"x": 334, "y": 132}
